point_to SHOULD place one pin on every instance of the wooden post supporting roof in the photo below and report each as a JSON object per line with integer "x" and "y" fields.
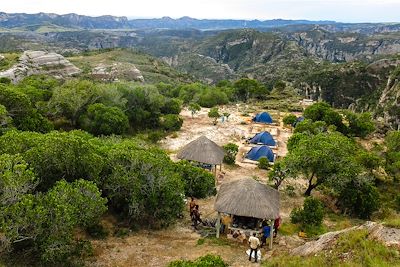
{"x": 271, "y": 234}
{"x": 218, "y": 224}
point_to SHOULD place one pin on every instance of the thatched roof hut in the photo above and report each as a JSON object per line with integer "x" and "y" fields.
{"x": 248, "y": 198}
{"x": 202, "y": 150}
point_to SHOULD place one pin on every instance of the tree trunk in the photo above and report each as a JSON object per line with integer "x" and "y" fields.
{"x": 311, "y": 186}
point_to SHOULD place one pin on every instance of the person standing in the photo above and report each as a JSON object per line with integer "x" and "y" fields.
{"x": 277, "y": 224}
{"x": 254, "y": 242}
{"x": 266, "y": 231}
{"x": 192, "y": 205}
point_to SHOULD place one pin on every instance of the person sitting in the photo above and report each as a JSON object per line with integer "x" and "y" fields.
{"x": 266, "y": 231}
{"x": 254, "y": 242}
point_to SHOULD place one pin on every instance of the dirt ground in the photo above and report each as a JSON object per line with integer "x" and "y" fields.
{"x": 158, "y": 248}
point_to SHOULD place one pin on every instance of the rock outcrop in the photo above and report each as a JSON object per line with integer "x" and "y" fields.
{"x": 117, "y": 71}
{"x": 387, "y": 236}
{"x": 389, "y": 101}
{"x": 40, "y": 62}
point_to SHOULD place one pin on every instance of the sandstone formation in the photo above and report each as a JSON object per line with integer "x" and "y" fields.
{"x": 117, "y": 71}
{"x": 387, "y": 236}
{"x": 40, "y": 62}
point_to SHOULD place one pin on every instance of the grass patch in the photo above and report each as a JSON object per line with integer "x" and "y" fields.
{"x": 9, "y": 60}
{"x": 289, "y": 229}
{"x": 393, "y": 223}
{"x": 200, "y": 241}
{"x": 218, "y": 241}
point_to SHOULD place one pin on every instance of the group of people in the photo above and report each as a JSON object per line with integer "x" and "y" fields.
{"x": 255, "y": 243}
{"x": 194, "y": 213}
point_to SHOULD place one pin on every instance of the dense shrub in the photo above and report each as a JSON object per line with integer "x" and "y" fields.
{"x": 34, "y": 122}
{"x": 102, "y": 120}
{"x": 45, "y": 223}
{"x": 360, "y": 198}
{"x": 205, "y": 261}
{"x": 263, "y": 163}
{"x": 392, "y": 155}
{"x": 171, "y": 122}
{"x": 171, "y": 106}
{"x": 289, "y": 119}
{"x": 198, "y": 182}
{"x": 312, "y": 213}
{"x": 359, "y": 124}
{"x": 231, "y": 151}
{"x": 143, "y": 187}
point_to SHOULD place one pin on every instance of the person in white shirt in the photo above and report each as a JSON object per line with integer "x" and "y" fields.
{"x": 254, "y": 242}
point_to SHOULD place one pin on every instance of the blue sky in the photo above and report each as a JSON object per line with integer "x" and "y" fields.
{"x": 339, "y": 10}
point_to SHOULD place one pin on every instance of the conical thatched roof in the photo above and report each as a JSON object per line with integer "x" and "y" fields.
{"x": 249, "y": 198}
{"x": 202, "y": 150}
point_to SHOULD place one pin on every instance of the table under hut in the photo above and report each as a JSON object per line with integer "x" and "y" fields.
{"x": 244, "y": 205}
{"x": 204, "y": 153}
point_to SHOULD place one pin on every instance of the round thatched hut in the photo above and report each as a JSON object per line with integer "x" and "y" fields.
{"x": 204, "y": 151}
{"x": 248, "y": 198}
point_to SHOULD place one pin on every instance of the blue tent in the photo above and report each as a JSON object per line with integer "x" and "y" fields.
{"x": 298, "y": 120}
{"x": 260, "y": 151}
{"x": 263, "y": 117}
{"x": 264, "y": 138}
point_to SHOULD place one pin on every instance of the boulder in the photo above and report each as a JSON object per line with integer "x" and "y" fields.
{"x": 117, "y": 71}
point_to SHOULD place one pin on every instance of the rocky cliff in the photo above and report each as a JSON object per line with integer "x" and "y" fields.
{"x": 40, "y": 62}
{"x": 389, "y": 102}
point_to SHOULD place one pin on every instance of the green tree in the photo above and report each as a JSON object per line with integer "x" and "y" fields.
{"x": 172, "y": 106}
{"x": 194, "y": 108}
{"x": 323, "y": 112}
{"x": 359, "y": 197}
{"x": 16, "y": 179}
{"x": 171, "y": 122}
{"x": 198, "y": 182}
{"x": 71, "y": 99}
{"x": 214, "y": 114}
{"x": 359, "y": 124}
{"x": 34, "y": 122}
{"x": 143, "y": 187}
{"x": 392, "y": 155}
{"x": 311, "y": 214}
{"x": 247, "y": 88}
{"x": 45, "y": 222}
{"x": 278, "y": 173}
{"x": 325, "y": 158}
{"x": 102, "y": 120}
{"x": 231, "y": 151}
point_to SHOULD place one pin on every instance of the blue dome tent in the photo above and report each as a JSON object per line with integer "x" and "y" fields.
{"x": 298, "y": 120}
{"x": 263, "y": 117}
{"x": 264, "y": 138}
{"x": 260, "y": 151}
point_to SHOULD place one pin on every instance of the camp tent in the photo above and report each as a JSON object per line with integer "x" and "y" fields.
{"x": 202, "y": 150}
{"x": 247, "y": 198}
{"x": 263, "y": 117}
{"x": 264, "y": 138}
{"x": 298, "y": 120}
{"x": 258, "y": 152}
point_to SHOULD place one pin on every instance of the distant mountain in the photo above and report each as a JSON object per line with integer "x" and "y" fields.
{"x": 14, "y": 20}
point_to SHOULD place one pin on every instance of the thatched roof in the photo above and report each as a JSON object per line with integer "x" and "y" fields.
{"x": 249, "y": 198}
{"x": 202, "y": 150}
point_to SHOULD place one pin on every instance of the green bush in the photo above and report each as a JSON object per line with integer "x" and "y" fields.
{"x": 263, "y": 163}
{"x": 205, "y": 261}
{"x": 360, "y": 198}
{"x": 171, "y": 122}
{"x": 289, "y": 119}
{"x": 231, "y": 151}
{"x": 198, "y": 182}
{"x": 102, "y": 120}
{"x": 142, "y": 186}
{"x": 312, "y": 213}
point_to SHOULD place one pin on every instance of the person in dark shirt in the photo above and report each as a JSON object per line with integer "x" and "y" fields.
{"x": 266, "y": 230}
